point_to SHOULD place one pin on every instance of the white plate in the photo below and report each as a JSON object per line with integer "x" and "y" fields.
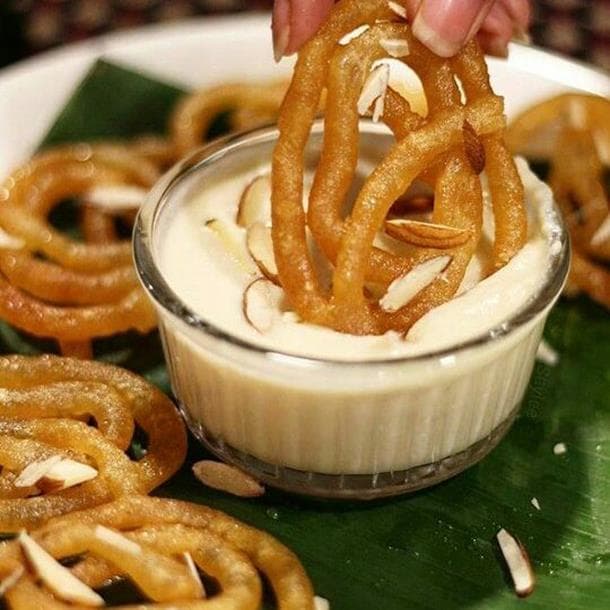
{"x": 209, "y": 50}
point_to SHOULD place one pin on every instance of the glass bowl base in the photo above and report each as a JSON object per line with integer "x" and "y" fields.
{"x": 351, "y": 486}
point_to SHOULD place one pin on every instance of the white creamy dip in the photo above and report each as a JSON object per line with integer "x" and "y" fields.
{"x": 211, "y": 278}
{"x": 360, "y": 409}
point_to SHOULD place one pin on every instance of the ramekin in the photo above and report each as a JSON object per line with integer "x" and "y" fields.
{"x": 324, "y": 427}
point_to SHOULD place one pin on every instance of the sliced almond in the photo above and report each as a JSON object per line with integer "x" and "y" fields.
{"x": 261, "y": 304}
{"x": 560, "y": 449}
{"x": 11, "y": 580}
{"x": 426, "y": 234}
{"x": 66, "y": 473}
{"x": 546, "y": 354}
{"x": 535, "y": 503}
{"x": 518, "y": 563}
{"x": 378, "y": 108}
{"x": 320, "y": 603}
{"x": 117, "y": 540}
{"x": 405, "y": 287}
{"x": 116, "y": 197}
{"x": 395, "y": 47}
{"x": 255, "y": 202}
{"x": 35, "y": 471}
{"x": 473, "y": 146}
{"x": 10, "y": 242}
{"x": 374, "y": 87}
{"x": 57, "y": 578}
{"x": 602, "y": 234}
{"x": 190, "y": 564}
{"x": 397, "y": 8}
{"x": 361, "y": 29}
{"x": 219, "y": 475}
{"x": 260, "y": 246}
{"x": 234, "y": 248}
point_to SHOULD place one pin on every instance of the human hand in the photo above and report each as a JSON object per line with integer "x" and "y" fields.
{"x": 442, "y": 25}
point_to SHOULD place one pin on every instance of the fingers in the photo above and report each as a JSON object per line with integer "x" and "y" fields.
{"x": 497, "y": 31}
{"x": 442, "y": 25}
{"x": 445, "y": 25}
{"x": 520, "y": 12}
{"x": 507, "y": 19}
{"x": 295, "y": 22}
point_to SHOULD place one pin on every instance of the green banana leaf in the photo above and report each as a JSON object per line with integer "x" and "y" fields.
{"x": 436, "y": 548}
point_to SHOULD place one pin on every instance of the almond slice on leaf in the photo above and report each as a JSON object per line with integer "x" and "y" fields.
{"x": 66, "y": 473}
{"x": 546, "y": 354}
{"x": 426, "y": 234}
{"x": 116, "y": 197}
{"x": 224, "y": 477}
{"x": 518, "y": 563}
{"x": 374, "y": 87}
{"x": 261, "y": 304}
{"x": 320, "y": 603}
{"x": 405, "y": 287}
{"x": 56, "y": 578}
{"x": 260, "y": 246}
{"x": 11, "y": 580}
{"x": 255, "y": 202}
{"x": 35, "y": 471}
{"x": 395, "y": 47}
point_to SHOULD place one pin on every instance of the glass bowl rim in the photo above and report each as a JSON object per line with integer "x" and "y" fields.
{"x": 161, "y": 293}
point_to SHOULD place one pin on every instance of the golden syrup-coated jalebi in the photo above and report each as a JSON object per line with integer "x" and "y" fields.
{"x": 437, "y": 149}
{"x": 143, "y": 538}
{"x": 48, "y": 402}
{"x": 572, "y": 133}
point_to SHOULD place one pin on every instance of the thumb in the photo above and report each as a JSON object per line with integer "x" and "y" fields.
{"x": 445, "y": 26}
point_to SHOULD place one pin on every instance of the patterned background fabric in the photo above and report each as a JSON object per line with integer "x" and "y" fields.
{"x": 580, "y": 28}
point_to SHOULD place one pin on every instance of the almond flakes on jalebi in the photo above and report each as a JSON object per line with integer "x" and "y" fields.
{"x": 85, "y": 412}
{"x": 461, "y": 134}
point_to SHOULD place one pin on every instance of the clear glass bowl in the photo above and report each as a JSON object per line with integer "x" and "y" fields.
{"x": 324, "y": 427}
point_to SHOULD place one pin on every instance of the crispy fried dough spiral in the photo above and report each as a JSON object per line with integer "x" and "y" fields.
{"x": 437, "y": 148}
{"x": 47, "y": 404}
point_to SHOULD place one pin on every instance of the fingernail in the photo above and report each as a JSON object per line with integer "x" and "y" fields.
{"x": 430, "y": 37}
{"x": 281, "y": 28}
{"x": 280, "y": 42}
{"x": 445, "y": 25}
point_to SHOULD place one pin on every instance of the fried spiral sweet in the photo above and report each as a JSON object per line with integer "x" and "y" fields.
{"x": 572, "y": 133}
{"x": 79, "y": 290}
{"x": 251, "y": 105}
{"x": 143, "y": 538}
{"x": 447, "y": 148}
{"x": 48, "y": 402}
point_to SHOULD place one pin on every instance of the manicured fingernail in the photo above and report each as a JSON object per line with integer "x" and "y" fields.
{"x": 431, "y": 38}
{"x": 280, "y": 28}
{"x": 280, "y": 42}
{"x": 445, "y": 25}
